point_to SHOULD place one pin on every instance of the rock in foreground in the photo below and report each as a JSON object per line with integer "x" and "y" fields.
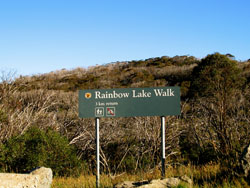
{"x": 245, "y": 161}
{"x": 159, "y": 183}
{"x": 39, "y": 178}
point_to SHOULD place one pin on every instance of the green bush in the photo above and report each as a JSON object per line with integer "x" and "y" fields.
{"x": 216, "y": 76}
{"x": 194, "y": 153}
{"x": 39, "y": 148}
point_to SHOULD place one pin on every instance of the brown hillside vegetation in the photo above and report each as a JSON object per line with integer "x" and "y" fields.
{"x": 151, "y": 72}
{"x": 204, "y": 133}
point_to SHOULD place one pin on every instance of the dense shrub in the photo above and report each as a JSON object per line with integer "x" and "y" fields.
{"x": 216, "y": 75}
{"x": 194, "y": 153}
{"x": 39, "y": 148}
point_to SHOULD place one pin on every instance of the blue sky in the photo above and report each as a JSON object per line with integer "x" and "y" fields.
{"x": 39, "y": 36}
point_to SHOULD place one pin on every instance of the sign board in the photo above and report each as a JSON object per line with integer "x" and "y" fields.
{"x": 129, "y": 102}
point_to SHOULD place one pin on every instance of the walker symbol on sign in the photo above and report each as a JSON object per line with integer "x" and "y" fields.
{"x": 110, "y": 111}
{"x": 99, "y": 112}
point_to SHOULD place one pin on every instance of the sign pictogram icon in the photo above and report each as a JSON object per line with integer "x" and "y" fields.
{"x": 110, "y": 111}
{"x": 99, "y": 112}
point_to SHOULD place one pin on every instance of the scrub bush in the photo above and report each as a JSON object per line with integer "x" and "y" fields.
{"x": 39, "y": 148}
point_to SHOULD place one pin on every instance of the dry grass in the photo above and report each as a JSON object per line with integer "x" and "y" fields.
{"x": 206, "y": 176}
{"x": 84, "y": 181}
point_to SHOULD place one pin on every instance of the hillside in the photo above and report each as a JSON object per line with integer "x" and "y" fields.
{"x": 202, "y": 134}
{"x": 151, "y": 72}
{"x": 160, "y": 71}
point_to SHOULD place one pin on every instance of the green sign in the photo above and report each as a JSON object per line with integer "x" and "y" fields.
{"x": 129, "y": 102}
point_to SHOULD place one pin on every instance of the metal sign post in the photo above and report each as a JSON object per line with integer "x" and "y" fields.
{"x": 163, "y": 157}
{"x": 97, "y": 123}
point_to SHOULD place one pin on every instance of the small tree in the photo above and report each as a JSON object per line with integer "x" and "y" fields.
{"x": 217, "y": 83}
